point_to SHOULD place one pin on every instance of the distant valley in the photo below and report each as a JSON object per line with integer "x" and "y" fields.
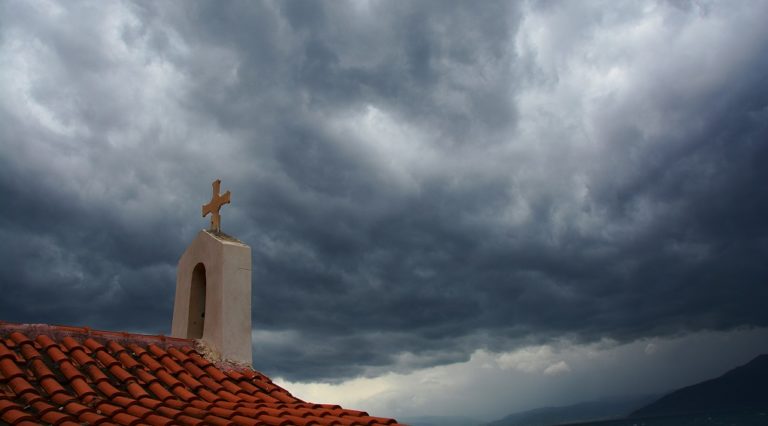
{"x": 585, "y": 411}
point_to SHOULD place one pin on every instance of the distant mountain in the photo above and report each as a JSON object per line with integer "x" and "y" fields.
{"x": 746, "y": 418}
{"x": 744, "y": 388}
{"x": 439, "y": 421}
{"x": 585, "y": 411}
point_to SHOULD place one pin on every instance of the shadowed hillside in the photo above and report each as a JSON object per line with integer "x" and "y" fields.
{"x": 742, "y": 389}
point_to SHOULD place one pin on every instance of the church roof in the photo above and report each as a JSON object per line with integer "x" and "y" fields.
{"x": 71, "y": 376}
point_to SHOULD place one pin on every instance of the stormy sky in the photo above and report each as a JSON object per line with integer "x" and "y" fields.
{"x": 454, "y": 208}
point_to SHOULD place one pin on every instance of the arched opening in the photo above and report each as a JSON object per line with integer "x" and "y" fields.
{"x": 196, "y": 323}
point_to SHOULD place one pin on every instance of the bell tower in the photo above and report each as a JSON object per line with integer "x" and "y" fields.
{"x": 213, "y": 290}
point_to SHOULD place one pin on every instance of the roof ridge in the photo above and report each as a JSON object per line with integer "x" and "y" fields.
{"x": 118, "y": 336}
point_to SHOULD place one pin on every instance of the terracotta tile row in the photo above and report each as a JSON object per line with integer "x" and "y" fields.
{"x": 72, "y": 376}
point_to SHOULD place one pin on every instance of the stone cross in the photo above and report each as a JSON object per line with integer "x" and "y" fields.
{"x": 215, "y": 204}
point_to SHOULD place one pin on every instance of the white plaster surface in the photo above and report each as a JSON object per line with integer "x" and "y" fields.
{"x": 227, "y": 262}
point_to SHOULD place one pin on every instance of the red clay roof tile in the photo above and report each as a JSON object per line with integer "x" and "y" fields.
{"x": 156, "y": 420}
{"x": 229, "y": 405}
{"x": 216, "y": 374}
{"x": 150, "y": 362}
{"x": 282, "y": 396}
{"x": 322, "y": 420}
{"x": 82, "y": 359}
{"x": 190, "y": 421}
{"x": 6, "y": 353}
{"x": 124, "y": 401}
{"x": 82, "y": 388}
{"x": 168, "y": 412}
{"x": 51, "y": 386}
{"x": 300, "y": 421}
{"x": 19, "y": 338}
{"x": 200, "y": 404}
{"x": 55, "y": 417}
{"x": 127, "y": 361}
{"x": 29, "y": 352}
{"x": 274, "y": 421}
{"x": 40, "y": 370}
{"x": 208, "y": 395}
{"x": 347, "y": 421}
{"x": 145, "y": 376}
{"x": 109, "y": 409}
{"x": 9, "y": 369}
{"x": 115, "y": 347}
{"x": 138, "y": 411}
{"x": 75, "y": 409}
{"x": 120, "y": 373}
{"x": 20, "y": 386}
{"x": 384, "y": 421}
{"x": 229, "y": 396}
{"x": 218, "y": 421}
{"x": 110, "y": 391}
{"x": 248, "y": 387}
{"x": 70, "y": 375}
{"x": 70, "y": 343}
{"x": 297, "y": 412}
{"x": 270, "y": 411}
{"x": 241, "y": 420}
{"x": 160, "y": 392}
{"x": 171, "y": 365}
{"x": 228, "y": 385}
{"x": 167, "y": 379}
{"x": 136, "y": 349}
{"x": 69, "y": 370}
{"x": 126, "y": 419}
{"x": 248, "y": 398}
{"x": 151, "y": 403}
{"x": 179, "y": 355}
{"x": 6, "y": 405}
{"x": 95, "y": 373}
{"x": 92, "y": 344}
{"x": 106, "y": 359}
{"x": 32, "y": 397}
{"x": 42, "y": 407}
{"x": 222, "y": 412}
{"x": 210, "y": 383}
{"x": 16, "y": 416}
{"x": 56, "y": 354}
{"x": 189, "y": 381}
{"x": 62, "y": 398}
{"x": 133, "y": 388}
{"x": 199, "y": 360}
{"x": 194, "y": 370}
{"x": 177, "y": 404}
{"x": 196, "y": 411}
{"x": 184, "y": 393}
{"x": 92, "y": 418}
{"x": 249, "y": 412}
{"x": 156, "y": 351}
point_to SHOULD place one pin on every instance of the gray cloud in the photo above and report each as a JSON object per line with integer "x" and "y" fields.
{"x": 419, "y": 179}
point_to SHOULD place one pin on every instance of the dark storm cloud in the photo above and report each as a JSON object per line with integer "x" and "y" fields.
{"x": 417, "y": 181}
